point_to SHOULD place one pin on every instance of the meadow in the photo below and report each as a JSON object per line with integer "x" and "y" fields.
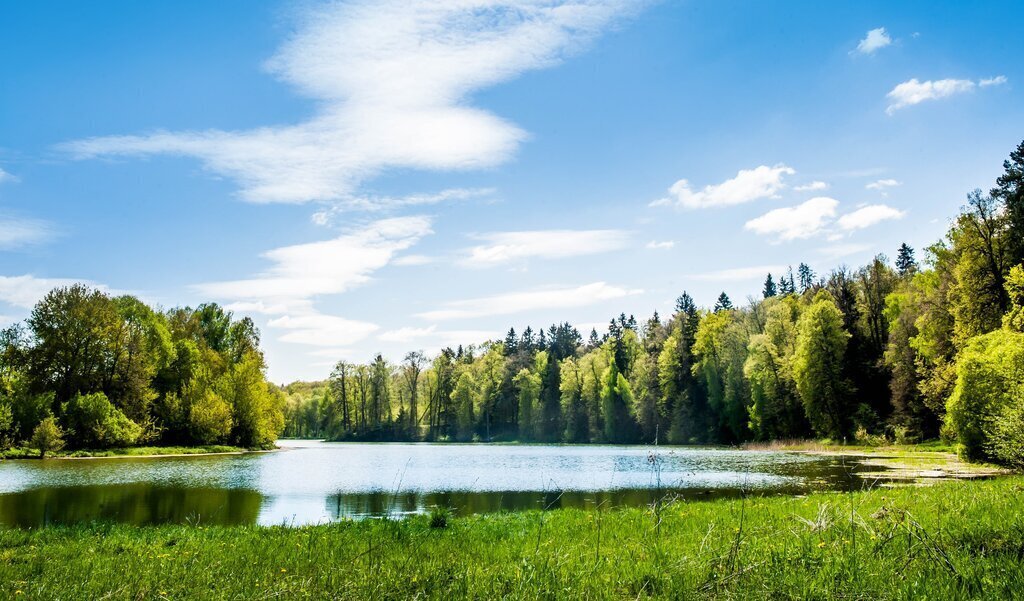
{"x": 951, "y": 540}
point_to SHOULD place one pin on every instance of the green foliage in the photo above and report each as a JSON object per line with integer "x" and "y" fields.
{"x": 617, "y": 403}
{"x": 985, "y": 408}
{"x": 1014, "y": 318}
{"x": 47, "y": 437}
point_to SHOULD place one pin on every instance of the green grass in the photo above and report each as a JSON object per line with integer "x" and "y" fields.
{"x": 26, "y": 453}
{"x": 954, "y": 540}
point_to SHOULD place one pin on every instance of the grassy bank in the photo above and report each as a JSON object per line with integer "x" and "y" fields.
{"x": 26, "y": 453}
{"x": 951, "y": 540}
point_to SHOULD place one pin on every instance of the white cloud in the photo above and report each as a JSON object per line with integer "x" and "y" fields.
{"x": 24, "y": 291}
{"x": 739, "y": 274}
{"x": 868, "y": 216}
{"x": 812, "y": 187}
{"x": 747, "y": 186}
{"x": 17, "y": 231}
{"x": 303, "y": 271}
{"x": 838, "y": 251}
{"x": 882, "y": 184}
{"x": 914, "y": 92}
{"x": 875, "y": 39}
{"x": 504, "y": 247}
{"x": 519, "y": 302}
{"x": 391, "y": 80}
{"x": 665, "y": 245}
{"x": 6, "y": 176}
{"x": 801, "y": 221}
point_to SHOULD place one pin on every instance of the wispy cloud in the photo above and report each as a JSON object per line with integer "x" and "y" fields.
{"x": 7, "y": 177}
{"x": 413, "y": 260}
{"x": 913, "y": 91}
{"x": 875, "y": 40}
{"x": 506, "y": 247}
{"x": 392, "y": 82}
{"x": 520, "y": 302}
{"x": 801, "y": 221}
{"x": 328, "y": 214}
{"x": 16, "y": 232}
{"x": 664, "y": 245}
{"x": 303, "y": 271}
{"x": 882, "y": 184}
{"x": 738, "y": 274}
{"x": 747, "y": 186}
{"x": 815, "y": 186}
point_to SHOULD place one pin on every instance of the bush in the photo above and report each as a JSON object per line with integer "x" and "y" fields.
{"x": 988, "y": 397}
{"x": 47, "y": 437}
{"x": 96, "y": 422}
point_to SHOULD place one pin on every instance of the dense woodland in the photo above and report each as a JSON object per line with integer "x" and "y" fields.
{"x": 915, "y": 349}
{"x": 88, "y": 370}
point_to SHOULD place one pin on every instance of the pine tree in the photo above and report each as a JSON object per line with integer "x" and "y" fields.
{"x": 511, "y": 344}
{"x": 806, "y": 276}
{"x": 769, "y": 289}
{"x": 723, "y": 303}
{"x": 595, "y": 340}
{"x": 905, "y": 262}
{"x": 1010, "y": 191}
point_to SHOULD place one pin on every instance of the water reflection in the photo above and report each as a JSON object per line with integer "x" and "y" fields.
{"x": 140, "y": 504}
{"x": 319, "y": 482}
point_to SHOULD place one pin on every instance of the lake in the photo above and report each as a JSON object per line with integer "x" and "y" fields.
{"x": 312, "y": 482}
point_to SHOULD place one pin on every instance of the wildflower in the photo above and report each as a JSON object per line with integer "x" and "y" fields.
{"x": 283, "y": 570}
{"x": 821, "y": 544}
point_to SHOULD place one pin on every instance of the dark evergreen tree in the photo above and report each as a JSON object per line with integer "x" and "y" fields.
{"x": 905, "y": 262}
{"x": 511, "y": 343}
{"x": 806, "y": 276}
{"x": 1010, "y": 191}
{"x": 723, "y": 303}
{"x": 769, "y": 289}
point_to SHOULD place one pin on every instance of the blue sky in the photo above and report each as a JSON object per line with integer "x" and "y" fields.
{"x": 388, "y": 176}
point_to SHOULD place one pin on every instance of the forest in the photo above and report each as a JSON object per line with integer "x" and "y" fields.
{"x": 912, "y": 350}
{"x": 88, "y": 370}
{"x": 916, "y": 349}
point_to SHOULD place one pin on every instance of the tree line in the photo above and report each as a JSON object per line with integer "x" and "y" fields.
{"x": 91, "y": 370}
{"x": 909, "y": 350}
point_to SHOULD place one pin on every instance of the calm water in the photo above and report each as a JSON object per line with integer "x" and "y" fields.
{"x": 311, "y": 482}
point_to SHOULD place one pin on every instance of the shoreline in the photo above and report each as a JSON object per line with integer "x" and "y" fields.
{"x": 141, "y": 456}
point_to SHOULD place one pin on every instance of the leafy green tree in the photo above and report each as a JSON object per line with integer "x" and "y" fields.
{"x": 776, "y": 411}
{"x": 988, "y": 396}
{"x": 818, "y": 367}
{"x": 577, "y": 420}
{"x": 95, "y": 422}
{"x": 978, "y": 295}
{"x": 47, "y": 437}
{"x": 549, "y": 409}
{"x": 720, "y": 349}
{"x": 462, "y": 399}
{"x": 616, "y": 402}
{"x": 1014, "y": 318}
{"x": 528, "y": 384}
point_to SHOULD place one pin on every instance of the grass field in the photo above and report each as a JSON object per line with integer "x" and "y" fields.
{"x": 947, "y": 541}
